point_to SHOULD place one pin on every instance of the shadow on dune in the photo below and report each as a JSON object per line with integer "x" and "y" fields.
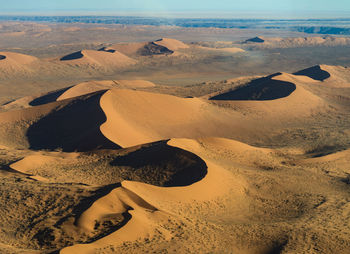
{"x": 315, "y": 73}
{"x": 259, "y": 90}
{"x": 107, "y": 50}
{"x": 2, "y": 57}
{"x": 74, "y": 126}
{"x": 154, "y": 49}
{"x": 163, "y": 165}
{"x": 47, "y": 98}
{"x": 73, "y": 56}
{"x": 255, "y": 40}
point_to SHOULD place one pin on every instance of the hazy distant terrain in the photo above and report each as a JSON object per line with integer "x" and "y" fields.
{"x": 312, "y": 26}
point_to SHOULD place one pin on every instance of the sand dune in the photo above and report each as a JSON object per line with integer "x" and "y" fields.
{"x": 171, "y": 44}
{"x": 331, "y": 76}
{"x": 145, "y": 218}
{"x": 8, "y": 58}
{"x": 42, "y": 127}
{"x": 15, "y": 63}
{"x": 98, "y": 58}
{"x": 142, "y": 117}
{"x": 151, "y": 210}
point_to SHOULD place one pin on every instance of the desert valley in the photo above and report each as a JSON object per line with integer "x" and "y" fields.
{"x": 154, "y": 139}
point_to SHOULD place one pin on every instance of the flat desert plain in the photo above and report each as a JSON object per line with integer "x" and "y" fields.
{"x": 170, "y": 146}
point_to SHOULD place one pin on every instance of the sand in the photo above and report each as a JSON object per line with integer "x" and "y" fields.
{"x": 257, "y": 165}
{"x": 232, "y": 50}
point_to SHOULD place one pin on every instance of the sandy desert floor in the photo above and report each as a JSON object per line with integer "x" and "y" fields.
{"x": 252, "y": 164}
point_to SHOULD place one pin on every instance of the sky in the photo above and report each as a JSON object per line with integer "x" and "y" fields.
{"x": 278, "y": 8}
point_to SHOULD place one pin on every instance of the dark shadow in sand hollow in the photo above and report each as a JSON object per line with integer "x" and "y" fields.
{"x": 259, "y": 90}
{"x": 163, "y": 165}
{"x": 104, "y": 49}
{"x": 73, "y": 56}
{"x": 49, "y": 97}
{"x": 315, "y": 73}
{"x": 255, "y": 40}
{"x": 2, "y": 57}
{"x": 72, "y": 127}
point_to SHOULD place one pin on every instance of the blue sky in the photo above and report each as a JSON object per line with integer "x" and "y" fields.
{"x": 259, "y": 7}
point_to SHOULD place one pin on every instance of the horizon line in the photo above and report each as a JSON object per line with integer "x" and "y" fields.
{"x": 239, "y": 14}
